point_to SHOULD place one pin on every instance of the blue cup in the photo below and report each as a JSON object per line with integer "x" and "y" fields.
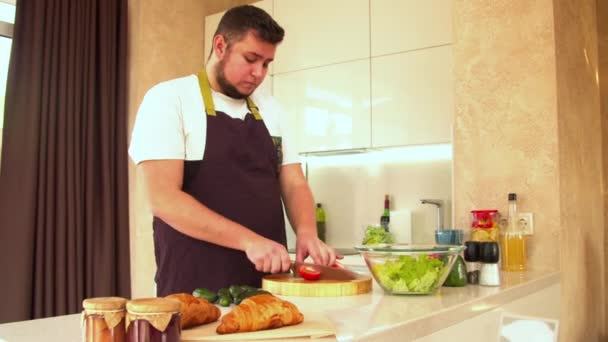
{"x": 449, "y": 237}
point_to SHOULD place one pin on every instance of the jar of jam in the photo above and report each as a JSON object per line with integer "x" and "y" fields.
{"x": 153, "y": 320}
{"x": 103, "y": 319}
{"x": 484, "y": 225}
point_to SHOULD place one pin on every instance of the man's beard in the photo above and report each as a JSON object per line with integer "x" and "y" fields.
{"x": 226, "y": 87}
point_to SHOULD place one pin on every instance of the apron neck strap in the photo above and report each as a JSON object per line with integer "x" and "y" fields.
{"x": 203, "y": 82}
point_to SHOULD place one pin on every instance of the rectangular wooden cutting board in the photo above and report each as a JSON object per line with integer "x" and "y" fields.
{"x": 314, "y": 326}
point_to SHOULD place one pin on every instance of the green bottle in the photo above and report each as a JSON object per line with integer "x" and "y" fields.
{"x": 385, "y": 219}
{"x": 320, "y": 213}
{"x": 458, "y": 274}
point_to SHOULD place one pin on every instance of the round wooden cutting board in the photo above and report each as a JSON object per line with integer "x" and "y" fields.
{"x": 287, "y": 285}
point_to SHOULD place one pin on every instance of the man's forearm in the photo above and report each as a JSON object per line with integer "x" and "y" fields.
{"x": 188, "y": 216}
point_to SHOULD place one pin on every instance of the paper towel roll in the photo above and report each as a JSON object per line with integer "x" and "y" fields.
{"x": 401, "y": 225}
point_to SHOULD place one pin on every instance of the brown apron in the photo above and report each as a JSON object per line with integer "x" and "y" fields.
{"x": 237, "y": 178}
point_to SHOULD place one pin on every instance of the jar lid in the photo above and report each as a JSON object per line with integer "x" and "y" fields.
{"x": 104, "y": 303}
{"x": 489, "y": 252}
{"x": 153, "y": 305}
{"x": 471, "y": 253}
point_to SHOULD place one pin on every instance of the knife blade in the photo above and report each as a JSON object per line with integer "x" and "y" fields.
{"x": 327, "y": 272}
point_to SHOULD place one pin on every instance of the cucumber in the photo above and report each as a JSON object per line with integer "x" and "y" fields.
{"x": 204, "y": 293}
{"x": 248, "y": 288}
{"x": 248, "y": 294}
{"x": 235, "y": 290}
{"x": 223, "y": 292}
{"x": 225, "y": 301}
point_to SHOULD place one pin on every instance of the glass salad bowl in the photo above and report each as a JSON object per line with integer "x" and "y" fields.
{"x": 409, "y": 268}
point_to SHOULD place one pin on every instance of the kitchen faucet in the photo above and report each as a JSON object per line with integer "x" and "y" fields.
{"x": 439, "y": 204}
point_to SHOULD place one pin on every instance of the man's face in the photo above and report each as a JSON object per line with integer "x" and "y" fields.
{"x": 243, "y": 65}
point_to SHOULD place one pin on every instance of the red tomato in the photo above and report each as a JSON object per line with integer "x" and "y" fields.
{"x": 309, "y": 272}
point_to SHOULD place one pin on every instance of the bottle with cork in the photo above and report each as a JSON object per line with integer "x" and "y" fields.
{"x": 513, "y": 240}
{"x": 385, "y": 219}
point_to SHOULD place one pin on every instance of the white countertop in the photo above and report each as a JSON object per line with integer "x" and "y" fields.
{"x": 372, "y": 316}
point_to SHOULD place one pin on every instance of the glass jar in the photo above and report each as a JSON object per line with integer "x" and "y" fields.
{"x": 153, "y": 320}
{"x": 103, "y": 319}
{"x": 484, "y": 225}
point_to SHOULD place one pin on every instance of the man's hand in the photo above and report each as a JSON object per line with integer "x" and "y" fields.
{"x": 308, "y": 244}
{"x": 268, "y": 256}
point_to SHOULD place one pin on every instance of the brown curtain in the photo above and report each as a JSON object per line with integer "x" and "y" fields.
{"x": 64, "y": 233}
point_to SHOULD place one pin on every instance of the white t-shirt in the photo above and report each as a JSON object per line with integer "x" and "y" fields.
{"x": 171, "y": 122}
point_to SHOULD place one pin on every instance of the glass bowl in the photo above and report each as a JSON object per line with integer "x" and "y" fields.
{"x": 409, "y": 268}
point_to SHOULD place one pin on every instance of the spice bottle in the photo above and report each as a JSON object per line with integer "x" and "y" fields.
{"x": 103, "y": 319}
{"x": 153, "y": 320}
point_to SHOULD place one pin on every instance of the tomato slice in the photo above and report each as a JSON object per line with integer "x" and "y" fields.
{"x": 309, "y": 272}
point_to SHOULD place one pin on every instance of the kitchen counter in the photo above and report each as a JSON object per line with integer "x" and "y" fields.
{"x": 369, "y": 317}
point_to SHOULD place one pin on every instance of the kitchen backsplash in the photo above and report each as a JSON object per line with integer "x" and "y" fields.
{"x": 352, "y": 188}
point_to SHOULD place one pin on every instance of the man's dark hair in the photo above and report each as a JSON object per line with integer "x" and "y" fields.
{"x": 237, "y": 21}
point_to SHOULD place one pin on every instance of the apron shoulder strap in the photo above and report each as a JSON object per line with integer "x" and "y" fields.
{"x": 253, "y": 109}
{"x": 203, "y": 82}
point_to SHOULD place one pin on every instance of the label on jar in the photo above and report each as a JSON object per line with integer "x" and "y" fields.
{"x": 112, "y": 317}
{"x": 159, "y": 321}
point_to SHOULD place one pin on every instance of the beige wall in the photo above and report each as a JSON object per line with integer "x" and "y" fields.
{"x": 166, "y": 41}
{"x": 528, "y": 121}
{"x": 505, "y": 129}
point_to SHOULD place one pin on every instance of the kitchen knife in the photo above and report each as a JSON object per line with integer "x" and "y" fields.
{"x": 327, "y": 272}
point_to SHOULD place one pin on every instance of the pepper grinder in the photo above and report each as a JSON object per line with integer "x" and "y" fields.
{"x": 471, "y": 257}
{"x": 489, "y": 274}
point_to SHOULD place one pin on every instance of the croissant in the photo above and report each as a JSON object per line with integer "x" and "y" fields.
{"x": 260, "y": 312}
{"x": 195, "y": 311}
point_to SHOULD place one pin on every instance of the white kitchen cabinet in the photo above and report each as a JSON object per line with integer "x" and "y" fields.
{"x": 319, "y": 32}
{"x": 404, "y": 25}
{"x": 412, "y": 97}
{"x": 330, "y": 104}
{"x": 266, "y": 86}
{"x": 211, "y": 22}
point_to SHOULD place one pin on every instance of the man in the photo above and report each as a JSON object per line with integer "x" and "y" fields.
{"x": 210, "y": 151}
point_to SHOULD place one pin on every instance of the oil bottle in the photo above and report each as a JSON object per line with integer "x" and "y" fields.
{"x": 513, "y": 240}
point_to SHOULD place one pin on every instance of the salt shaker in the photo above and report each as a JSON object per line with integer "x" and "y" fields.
{"x": 489, "y": 274}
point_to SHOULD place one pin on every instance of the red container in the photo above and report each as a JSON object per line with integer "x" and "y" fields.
{"x": 484, "y": 218}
